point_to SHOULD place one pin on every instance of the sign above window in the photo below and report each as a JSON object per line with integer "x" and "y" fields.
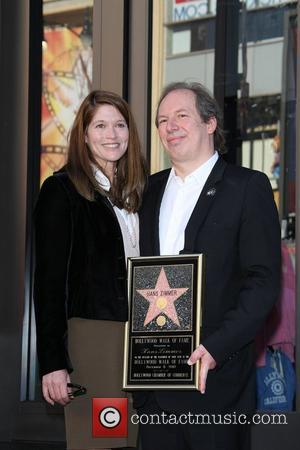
{"x": 184, "y": 10}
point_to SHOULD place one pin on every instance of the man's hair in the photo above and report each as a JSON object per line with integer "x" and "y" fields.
{"x": 206, "y": 106}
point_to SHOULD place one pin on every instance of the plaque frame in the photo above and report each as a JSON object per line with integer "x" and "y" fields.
{"x": 185, "y": 332}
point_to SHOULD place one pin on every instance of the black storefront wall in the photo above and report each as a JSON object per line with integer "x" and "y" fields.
{"x": 21, "y": 421}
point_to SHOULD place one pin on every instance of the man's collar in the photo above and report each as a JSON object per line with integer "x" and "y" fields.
{"x": 198, "y": 173}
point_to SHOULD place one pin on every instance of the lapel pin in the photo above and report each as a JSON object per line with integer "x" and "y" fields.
{"x": 211, "y": 192}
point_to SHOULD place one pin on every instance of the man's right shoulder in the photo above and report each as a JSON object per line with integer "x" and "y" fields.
{"x": 158, "y": 177}
{"x": 154, "y": 185}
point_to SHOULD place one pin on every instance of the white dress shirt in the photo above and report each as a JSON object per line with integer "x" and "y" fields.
{"x": 178, "y": 203}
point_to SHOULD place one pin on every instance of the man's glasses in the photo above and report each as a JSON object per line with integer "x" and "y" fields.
{"x": 77, "y": 390}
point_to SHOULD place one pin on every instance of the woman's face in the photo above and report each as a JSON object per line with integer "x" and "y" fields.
{"x": 107, "y": 136}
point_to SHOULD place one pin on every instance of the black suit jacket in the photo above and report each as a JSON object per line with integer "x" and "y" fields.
{"x": 235, "y": 225}
{"x": 80, "y": 268}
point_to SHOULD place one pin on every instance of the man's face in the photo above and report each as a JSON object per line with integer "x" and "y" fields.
{"x": 184, "y": 135}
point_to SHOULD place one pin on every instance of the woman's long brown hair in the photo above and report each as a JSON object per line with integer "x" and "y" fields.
{"x": 129, "y": 181}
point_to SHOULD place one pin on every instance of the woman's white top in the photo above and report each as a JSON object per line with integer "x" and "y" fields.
{"x": 129, "y": 222}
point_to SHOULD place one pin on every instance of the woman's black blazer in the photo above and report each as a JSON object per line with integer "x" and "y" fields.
{"x": 80, "y": 268}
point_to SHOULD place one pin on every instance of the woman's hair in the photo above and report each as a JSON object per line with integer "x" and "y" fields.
{"x": 129, "y": 180}
{"x": 206, "y": 106}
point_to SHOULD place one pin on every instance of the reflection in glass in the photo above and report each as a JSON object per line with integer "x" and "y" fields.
{"x": 267, "y": 113}
{"x": 262, "y": 58}
{"x": 67, "y": 79}
{"x": 266, "y": 78}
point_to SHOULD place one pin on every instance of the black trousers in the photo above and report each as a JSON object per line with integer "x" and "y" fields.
{"x": 186, "y": 436}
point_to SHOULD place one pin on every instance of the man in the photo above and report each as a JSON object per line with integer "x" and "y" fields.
{"x": 204, "y": 205}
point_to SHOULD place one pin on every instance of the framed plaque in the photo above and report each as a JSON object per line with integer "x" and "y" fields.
{"x": 165, "y": 295}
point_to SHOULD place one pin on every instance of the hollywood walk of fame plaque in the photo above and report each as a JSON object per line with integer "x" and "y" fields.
{"x": 165, "y": 295}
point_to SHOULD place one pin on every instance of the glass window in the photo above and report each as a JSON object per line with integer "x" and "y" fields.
{"x": 66, "y": 80}
{"x": 67, "y": 75}
{"x": 267, "y": 120}
{"x": 181, "y": 40}
{"x": 185, "y": 34}
{"x": 267, "y": 62}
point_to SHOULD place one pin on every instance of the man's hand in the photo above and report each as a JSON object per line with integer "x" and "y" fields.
{"x": 207, "y": 363}
{"x": 54, "y": 386}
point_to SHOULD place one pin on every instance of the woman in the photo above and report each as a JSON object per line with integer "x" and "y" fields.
{"x": 86, "y": 225}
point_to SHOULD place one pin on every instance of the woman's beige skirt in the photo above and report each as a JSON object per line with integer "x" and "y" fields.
{"x": 96, "y": 352}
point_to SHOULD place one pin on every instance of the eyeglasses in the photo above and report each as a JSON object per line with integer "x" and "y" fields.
{"x": 77, "y": 390}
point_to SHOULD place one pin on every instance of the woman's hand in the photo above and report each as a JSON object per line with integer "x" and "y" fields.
{"x": 54, "y": 386}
